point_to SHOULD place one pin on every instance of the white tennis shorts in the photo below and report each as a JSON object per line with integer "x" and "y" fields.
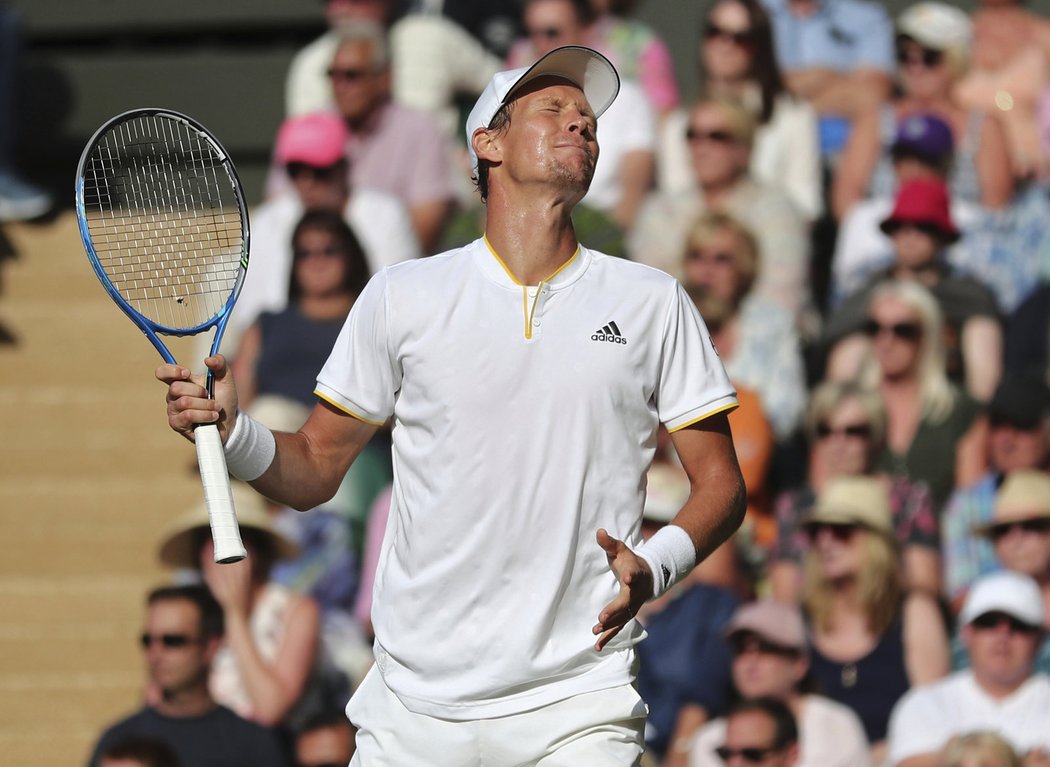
{"x": 597, "y": 729}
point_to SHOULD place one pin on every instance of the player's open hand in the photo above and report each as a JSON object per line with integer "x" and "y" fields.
{"x": 188, "y": 403}
{"x": 636, "y": 586}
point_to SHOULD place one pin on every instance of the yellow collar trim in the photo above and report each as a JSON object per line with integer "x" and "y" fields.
{"x": 510, "y": 274}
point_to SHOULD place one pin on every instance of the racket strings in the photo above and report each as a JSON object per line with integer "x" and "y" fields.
{"x": 164, "y": 217}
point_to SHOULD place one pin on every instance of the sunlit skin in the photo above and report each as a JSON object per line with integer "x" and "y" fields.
{"x": 764, "y": 674}
{"x": 723, "y": 59}
{"x": 552, "y": 139}
{"x": 1001, "y": 659}
{"x": 358, "y": 98}
{"x": 898, "y": 358}
{"x": 841, "y": 453}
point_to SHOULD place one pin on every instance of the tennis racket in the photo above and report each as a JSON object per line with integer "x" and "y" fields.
{"x": 164, "y": 223}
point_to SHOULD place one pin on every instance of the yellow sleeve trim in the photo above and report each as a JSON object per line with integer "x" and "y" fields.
{"x": 346, "y": 410}
{"x": 704, "y": 417}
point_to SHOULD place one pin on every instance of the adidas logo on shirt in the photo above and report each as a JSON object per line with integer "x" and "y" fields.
{"x": 609, "y": 333}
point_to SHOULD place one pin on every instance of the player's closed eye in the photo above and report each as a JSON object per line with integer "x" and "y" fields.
{"x": 168, "y": 641}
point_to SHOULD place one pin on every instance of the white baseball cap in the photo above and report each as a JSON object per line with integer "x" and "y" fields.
{"x": 1008, "y": 592}
{"x": 591, "y": 71}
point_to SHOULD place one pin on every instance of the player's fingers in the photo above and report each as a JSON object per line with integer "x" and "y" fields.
{"x": 611, "y": 546}
{"x": 217, "y": 365}
{"x": 178, "y": 390}
{"x": 606, "y": 637}
{"x": 168, "y": 374}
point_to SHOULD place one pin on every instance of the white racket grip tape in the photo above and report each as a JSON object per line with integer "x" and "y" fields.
{"x": 218, "y": 495}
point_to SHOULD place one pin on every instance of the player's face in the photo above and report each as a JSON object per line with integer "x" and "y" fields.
{"x": 1000, "y": 654}
{"x": 719, "y": 158}
{"x": 551, "y": 24}
{"x": 552, "y": 137}
{"x": 358, "y": 87}
{"x": 176, "y": 655}
{"x": 320, "y": 263}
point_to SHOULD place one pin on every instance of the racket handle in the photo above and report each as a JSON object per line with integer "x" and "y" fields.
{"x": 218, "y": 495}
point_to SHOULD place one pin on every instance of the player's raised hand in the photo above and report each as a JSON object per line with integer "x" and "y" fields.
{"x": 636, "y": 586}
{"x": 188, "y": 402}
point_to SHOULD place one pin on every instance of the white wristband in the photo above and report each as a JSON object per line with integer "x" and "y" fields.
{"x": 250, "y": 448}
{"x": 671, "y": 556}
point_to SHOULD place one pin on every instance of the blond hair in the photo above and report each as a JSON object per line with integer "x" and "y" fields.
{"x": 829, "y": 395}
{"x": 879, "y": 589}
{"x": 935, "y": 390}
{"x": 745, "y": 258}
{"x": 740, "y": 120}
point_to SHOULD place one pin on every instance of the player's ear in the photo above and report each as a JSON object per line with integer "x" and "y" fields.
{"x": 487, "y": 144}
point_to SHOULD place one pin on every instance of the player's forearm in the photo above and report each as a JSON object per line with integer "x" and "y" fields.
{"x": 302, "y": 475}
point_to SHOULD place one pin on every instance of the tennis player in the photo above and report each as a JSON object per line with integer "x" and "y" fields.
{"x": 526, "y": 377}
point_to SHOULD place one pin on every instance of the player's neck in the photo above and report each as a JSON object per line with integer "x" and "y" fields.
{"x": 533, "y": 241}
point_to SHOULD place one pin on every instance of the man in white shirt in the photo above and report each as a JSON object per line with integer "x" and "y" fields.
{"x": 526, "y": 376}
{"x": 1002, "y": 620}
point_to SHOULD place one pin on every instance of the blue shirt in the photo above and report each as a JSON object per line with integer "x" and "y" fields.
{"x": 843, "y": 35}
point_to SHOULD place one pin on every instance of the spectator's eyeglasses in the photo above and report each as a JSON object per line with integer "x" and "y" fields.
{"x": 349, "y": 74}
{"x": 547, "y": 33}
{"x": 994, "y": 620}
{"x": 743, "y": 39}
{"x": 715, "y": 258}
{"x": 905, "y": 331}
{"x": 840, "y": 531}
{"x": 296, "y": 170}
{"x": 925, "y": 56}
{"x": 167, "y": 641}
{"x": 718, "y": 136}
{"x": 854, "y": 430}
{"x": 1027, "y": 525}
{"x": 752, "y": 755}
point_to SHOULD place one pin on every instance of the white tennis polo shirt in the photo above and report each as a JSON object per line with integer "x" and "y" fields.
{"x": 524, "y": 419}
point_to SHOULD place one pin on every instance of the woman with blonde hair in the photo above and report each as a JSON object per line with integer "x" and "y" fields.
{"x": 845, "y": 424}
{"x": 869, "y": 641}
{"x": 935, "y": 432}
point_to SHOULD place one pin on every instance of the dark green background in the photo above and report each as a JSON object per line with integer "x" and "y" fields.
{"x": 222, "y": 61}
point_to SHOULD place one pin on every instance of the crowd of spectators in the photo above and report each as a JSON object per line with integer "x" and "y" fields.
{"x": 886, "y": 599}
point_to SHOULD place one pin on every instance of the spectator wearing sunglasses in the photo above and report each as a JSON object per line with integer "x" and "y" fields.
{"x": 1019, "y": 532}
{"x": 721, "y": 134}
{"x": 735, "y": 58}
{"x": 1001, "y": 624}
{"x": 921, "y": 228}
{"x": 933, "y": 41}
{"x": 771, "y": 661}
{"x": 312, "y": 151}
{"x": 845, "y": 424}
{"x": 869, "y": 640}
{"x": 936, "y": 433}
{"x": 1018, "y": 440}
{"x": 758, "y": 733}
{"x": 182, "y": 634}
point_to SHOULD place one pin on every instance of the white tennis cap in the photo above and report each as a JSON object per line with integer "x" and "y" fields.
{"x": 1005, "y": 591}
{"x": 591, "y": 71}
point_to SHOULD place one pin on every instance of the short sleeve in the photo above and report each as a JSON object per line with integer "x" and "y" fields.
{"x": 362, "y": 375}
{"x": 693, "y": 381}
